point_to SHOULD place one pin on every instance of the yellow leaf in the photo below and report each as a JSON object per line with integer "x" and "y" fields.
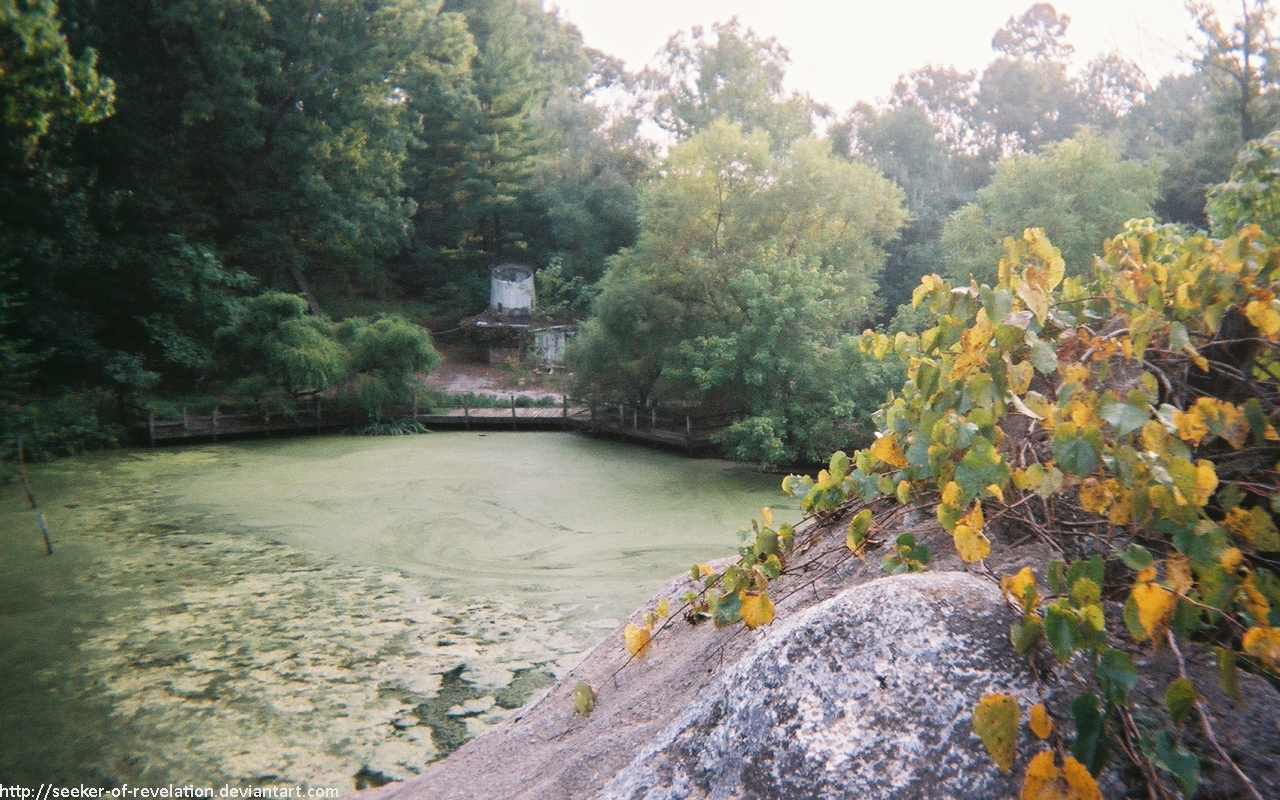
{"x": 637, "y": 639}
{"x": 1020, "y": 375}
{"x": 1075, "y": 373}
{"x": 995, "y": 720}
{"x": 1092, "y": 614}
{"x": 1263, "y": 644}
{"x": 1206, "y": 482}
{"x": 704, "y": 570}
{"x": 1081, "y": 413}
{"x": 1016, "y": 586}
{"x": 995, "y": 491}
{"x": 1094, "y": 496}
{"x": 971, "y": 544}
{"x": 1041, "y": 725}
{"x": 951, "y": 494}
{"x": 1255, "y": 600}
{"x": 903, "y": 492}
{"x": 1083, "y": 786}
{"x": 1146, "y": 574}
{"x": 757, "y": 609}
{"x": 1191, "y": 425}
{"x": 885, "y": 448}
{"x": 1121, "y": 510}
{"x": 1155, "y": 606}
{"x": 1264, "y": 316}
{"x": 1042, "y": 779}
{"x": 767, "y": 514}
{"x": 1177, "y": 568}
{"x": 1230, "y": 558}
{"x": 664, "y": 608}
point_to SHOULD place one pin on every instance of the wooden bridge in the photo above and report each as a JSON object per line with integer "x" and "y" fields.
{"x": 686, "y": 429}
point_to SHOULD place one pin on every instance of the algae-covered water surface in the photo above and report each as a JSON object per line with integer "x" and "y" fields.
{"x": 326, "y": 611}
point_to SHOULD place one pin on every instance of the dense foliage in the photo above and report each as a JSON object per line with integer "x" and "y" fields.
{"x": 750, "y": 271}
{"x": 1128, "y": 420}
{"x": 165, "y": 162}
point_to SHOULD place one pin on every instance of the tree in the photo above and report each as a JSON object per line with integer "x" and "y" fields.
{"x": 1078, "y": 191}
{"x": 385, "y": 355}
{"x": 275, "y": 351}
{"x": 731, "y": 74}
{"x": 48, "y": 98}
{"x": 1037, "y": 35}
{"x": 903, "y": 143}
{"x": 1242, "y": 60}
{"x": 1025, "y": 97}
{"x": 749, "y": 269}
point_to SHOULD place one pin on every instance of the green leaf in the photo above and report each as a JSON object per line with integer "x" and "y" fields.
{"x": 1056, "y": 575}
{"x": 1091, "y": 746}
{"x": 1085, "y": 592}
{"x": 1179, "y": 698}
{"x": 1117, "y": 673}
{"x": 1075, "y": 453}
{"x": 1124, "y": 417}
{"x": 839, "y": 465}
{"x": 726, "y": 610}
{"x": 1228, "y": 674}
{"x": 1043, "y": 358}
{"x": 1136, "y": 557}
{"x": 1025, "y": 635}
{"x": 1063, "y": 631}
{"x": 1167, "y": 754}
{"x": 767, "y": 542}
{"x": 584, "y": 698}
{"x": 1094, "y": 568}
{"x": 981, "y": 466}
{"x": 1257, "y": 420}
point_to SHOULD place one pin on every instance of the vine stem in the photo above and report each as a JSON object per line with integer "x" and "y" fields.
{"x": 1207, "y": 728}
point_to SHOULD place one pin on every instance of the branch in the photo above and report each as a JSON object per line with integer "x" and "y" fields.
{"x": 1206, "y": 727}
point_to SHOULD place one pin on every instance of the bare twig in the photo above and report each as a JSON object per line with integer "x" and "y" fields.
{"x": 1207, "y": 728}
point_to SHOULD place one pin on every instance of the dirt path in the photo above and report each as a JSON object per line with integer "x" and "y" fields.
{"x": 460, "y": 374}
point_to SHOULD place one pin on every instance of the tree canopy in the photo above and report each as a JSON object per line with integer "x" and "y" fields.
{"x": 1079, "y": 191}
{"x": 747, "y": 268}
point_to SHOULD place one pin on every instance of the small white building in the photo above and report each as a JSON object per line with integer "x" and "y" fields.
{"x": 511, "y": 290}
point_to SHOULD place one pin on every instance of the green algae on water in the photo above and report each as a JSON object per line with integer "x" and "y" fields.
{"x": 326, "y": 611}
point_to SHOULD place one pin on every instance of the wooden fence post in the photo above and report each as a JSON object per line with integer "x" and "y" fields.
{"x": 466, "y": 409}
{"x": 31, "y": 498}
{"x": 215, "y": 423}
{"x": 186, "y": 429}
{"x": 415, "y": 405}
{"x": 151, "y": 426}
{"x": 513, "y": 411}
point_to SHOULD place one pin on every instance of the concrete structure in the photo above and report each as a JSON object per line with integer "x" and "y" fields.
{"x": 511, "y": 290}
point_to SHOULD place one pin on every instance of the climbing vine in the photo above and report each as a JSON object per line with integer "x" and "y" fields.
{"x": 1128, "y": 421}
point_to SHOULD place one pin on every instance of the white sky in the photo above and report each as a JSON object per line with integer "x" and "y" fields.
{"x": 844, "y": 52}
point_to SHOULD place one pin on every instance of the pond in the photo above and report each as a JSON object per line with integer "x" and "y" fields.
{"x": 327, "y": 611}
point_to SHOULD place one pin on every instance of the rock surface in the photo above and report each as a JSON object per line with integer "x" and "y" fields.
{"x": 868, "y": 695}
{"x": 863, "y": 687}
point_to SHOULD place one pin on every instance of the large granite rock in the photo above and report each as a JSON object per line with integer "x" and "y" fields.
{"x": 866, "y": 695}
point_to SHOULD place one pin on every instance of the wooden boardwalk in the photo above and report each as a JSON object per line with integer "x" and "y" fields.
{"x": 689, "y": 432}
